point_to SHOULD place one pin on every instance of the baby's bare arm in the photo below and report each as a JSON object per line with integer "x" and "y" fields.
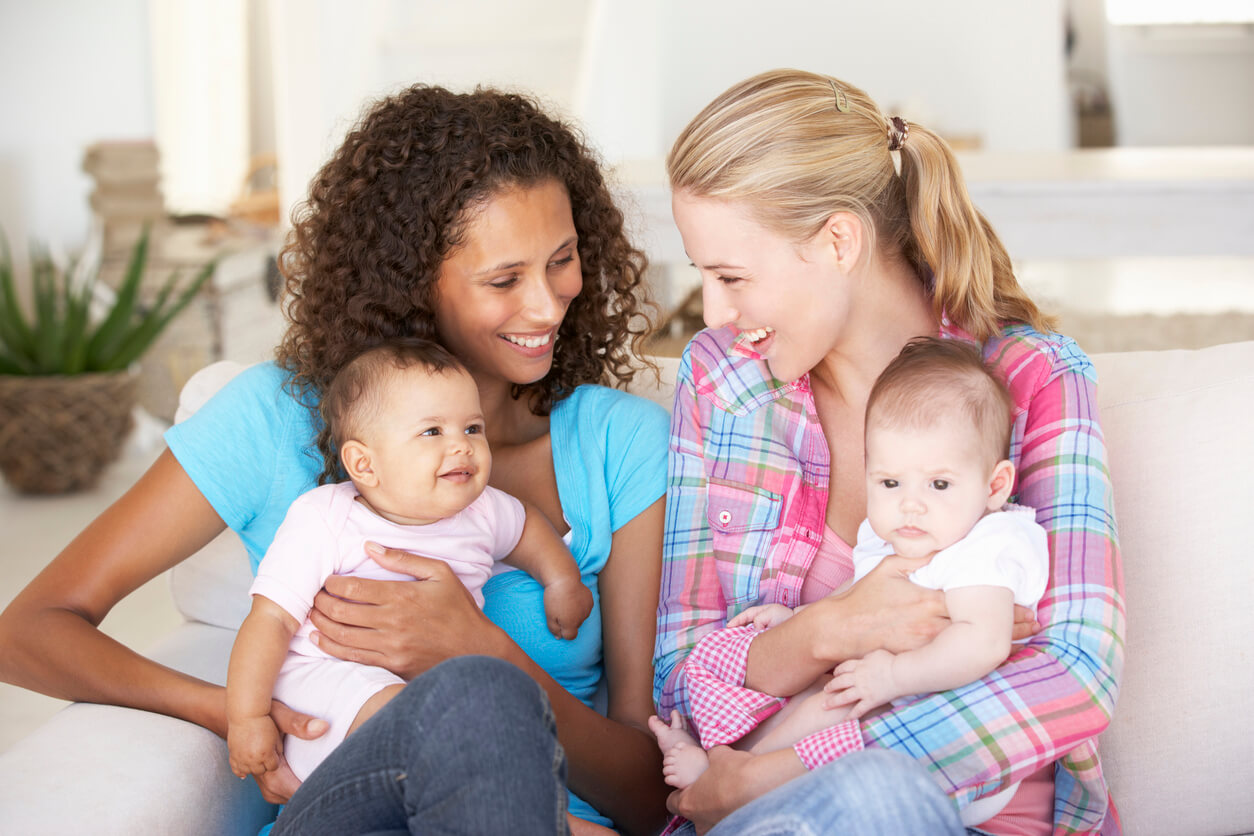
{"x": 976, "y": 641}
{"x": 541, "y": 553}
{"x": 256, "y": 658}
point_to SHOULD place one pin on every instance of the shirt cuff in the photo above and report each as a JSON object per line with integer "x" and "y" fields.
{"x": 823, "y": 747}
{"x": 723, "y": 710}
{"x": 724, "y": 653}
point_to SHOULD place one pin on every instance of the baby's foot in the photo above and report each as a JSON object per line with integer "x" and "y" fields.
{"x": 669, "y": 737}
{"x": 684, "y": 764}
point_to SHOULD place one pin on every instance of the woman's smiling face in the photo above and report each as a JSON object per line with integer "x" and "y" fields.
{"x": 503, "y": 293}
{"x": 784, "y": 298}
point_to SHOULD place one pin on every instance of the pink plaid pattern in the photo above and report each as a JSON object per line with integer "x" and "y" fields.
{"x": 723, "y": 710}
{"x": 746, "y": 495}
{"x": 827, "y": 745}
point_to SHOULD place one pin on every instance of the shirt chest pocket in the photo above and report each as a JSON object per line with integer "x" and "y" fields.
{"x": 743, "y": 521}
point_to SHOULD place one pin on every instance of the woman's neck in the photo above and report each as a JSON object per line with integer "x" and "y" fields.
{"x": 891, "y": 309}
{"x": 509, "y": 420}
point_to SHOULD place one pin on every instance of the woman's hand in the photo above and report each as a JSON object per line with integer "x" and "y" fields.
{"x": 732, "y": 780}
{"x": 887, "y": 611}
{"x": 279, "y": 782}
{"x": 406, "y": 627}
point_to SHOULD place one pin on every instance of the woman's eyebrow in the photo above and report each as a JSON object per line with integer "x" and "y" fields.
{"x": 510, "y": 265}
{"x": 571, "y": 241}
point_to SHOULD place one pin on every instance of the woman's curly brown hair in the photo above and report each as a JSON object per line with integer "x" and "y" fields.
{"x": 361, "y": 262}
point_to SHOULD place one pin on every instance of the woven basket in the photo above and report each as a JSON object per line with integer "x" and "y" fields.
{"x": 57, "y": 433}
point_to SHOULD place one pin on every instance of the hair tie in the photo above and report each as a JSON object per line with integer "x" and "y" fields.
{"x": 898, "y": 133}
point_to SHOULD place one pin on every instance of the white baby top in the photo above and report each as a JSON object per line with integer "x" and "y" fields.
{"x": 1005, "y": 548}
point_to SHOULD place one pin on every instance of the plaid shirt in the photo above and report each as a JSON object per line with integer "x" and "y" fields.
{"x": 746, "y": 503}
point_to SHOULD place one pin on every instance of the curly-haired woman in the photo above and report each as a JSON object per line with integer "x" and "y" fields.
{"x": 479, "y": 222}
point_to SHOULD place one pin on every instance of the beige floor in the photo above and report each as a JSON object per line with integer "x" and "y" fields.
{"x": 1134, "y": 291}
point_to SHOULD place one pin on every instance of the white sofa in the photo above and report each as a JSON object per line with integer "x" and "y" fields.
{"x": 1179, "y": 753}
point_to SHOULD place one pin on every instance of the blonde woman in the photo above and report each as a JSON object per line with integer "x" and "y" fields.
{"x": 828, "y": 235}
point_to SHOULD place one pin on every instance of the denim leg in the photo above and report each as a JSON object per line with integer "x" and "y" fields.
{"x": 470, "y": 747}
{"x": 871, "y": 792}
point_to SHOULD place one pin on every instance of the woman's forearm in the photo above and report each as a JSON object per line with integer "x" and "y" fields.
{"x": 57, "y": 652}
{"x": 614, "y": 766}
{"x": 790, "y": 656}
{"x": 49, "y": 632}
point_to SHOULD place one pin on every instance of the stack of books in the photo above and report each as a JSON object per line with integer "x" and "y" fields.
{"x": 127, "y": 195}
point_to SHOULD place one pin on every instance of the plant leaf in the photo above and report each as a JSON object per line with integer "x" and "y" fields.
{"x": 15, "y": 333}
{"x": 158, "y": 318}
{"x": 8, "y": 365}
{"x": 77, "y": 310}
{"x": 48, "y": 325}
{"x": 108, "y": 338}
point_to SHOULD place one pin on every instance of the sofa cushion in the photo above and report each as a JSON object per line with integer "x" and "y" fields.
{"x": 1179, "y": 753}
{"x": 105, "y": 769}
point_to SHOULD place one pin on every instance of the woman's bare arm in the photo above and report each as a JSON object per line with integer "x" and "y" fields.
{"x": 50, "y": 631}
{"x": 883, "y": 610}
{"x": 628, "y": 787}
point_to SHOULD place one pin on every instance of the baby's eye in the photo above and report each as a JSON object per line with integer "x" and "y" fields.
{"x": 728, "y": 280}
{"x": 940, "y": 484}
{"x": 889, "y": 483}
{"x": 433, "y": 431}
{"x": 474, "y": 429}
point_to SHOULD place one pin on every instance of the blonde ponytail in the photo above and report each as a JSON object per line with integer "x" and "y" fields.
{"x": 795, "y": 147}
{"x": 973, "y": 280}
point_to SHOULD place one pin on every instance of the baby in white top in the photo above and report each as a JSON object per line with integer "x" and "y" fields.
{"x": 937, "y": 479}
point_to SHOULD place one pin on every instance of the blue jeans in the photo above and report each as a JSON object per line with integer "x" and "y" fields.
{"x": 470, "y": 747}
{"x": 873, "y": 792}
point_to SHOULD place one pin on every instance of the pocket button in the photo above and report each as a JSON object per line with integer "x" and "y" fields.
{"x": 724, "y": 517}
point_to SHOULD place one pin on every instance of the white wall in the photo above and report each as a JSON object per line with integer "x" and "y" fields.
{"x": 635, "y": 71}
{"x": 71, "y": 72}
{"x": 983, "y": 68}
{"x": 331, "y": 58}
{"x": 1183, "y": 85}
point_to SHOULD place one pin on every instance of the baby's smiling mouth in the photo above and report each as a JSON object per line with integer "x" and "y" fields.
{"x": 458, "y": 474}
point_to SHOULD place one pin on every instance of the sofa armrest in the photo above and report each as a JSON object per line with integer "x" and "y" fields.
{"x": 104, "y": 769}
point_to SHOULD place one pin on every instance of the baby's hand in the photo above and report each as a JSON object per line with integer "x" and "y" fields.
{"x": 762, "y": 616}
{"x": 567, "y": 602}
{"x": 255, "y": 745}
{"x": 865, "y": 683}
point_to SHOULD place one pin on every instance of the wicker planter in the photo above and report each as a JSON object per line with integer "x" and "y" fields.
{"x": 58, "y": 432}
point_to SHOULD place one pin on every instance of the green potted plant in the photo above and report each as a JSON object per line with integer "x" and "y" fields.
{"x": 66, "y": 385}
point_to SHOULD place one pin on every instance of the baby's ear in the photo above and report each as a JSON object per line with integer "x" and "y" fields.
{"x": 356, "y": 459}
{"x": 1000, "y": 484}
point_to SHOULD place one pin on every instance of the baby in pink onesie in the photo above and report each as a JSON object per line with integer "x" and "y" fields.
{"x": 406, "y": 420}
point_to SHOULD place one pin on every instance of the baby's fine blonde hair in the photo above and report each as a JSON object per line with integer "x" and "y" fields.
{"x": 935, "y": 379}
{"x": 796, "y": 147}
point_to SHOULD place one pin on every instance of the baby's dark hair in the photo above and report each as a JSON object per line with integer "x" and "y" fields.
{"x": 935, "y": 378}
{"x": 354, "y": 396}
